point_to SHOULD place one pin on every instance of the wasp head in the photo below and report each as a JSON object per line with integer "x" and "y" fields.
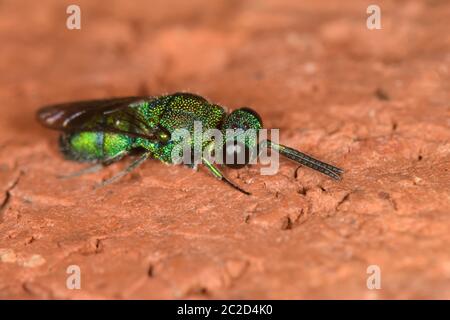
{"x": 240, "y": 132}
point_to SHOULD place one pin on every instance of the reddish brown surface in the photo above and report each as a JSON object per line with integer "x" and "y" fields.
{"x": 373, "y": 102}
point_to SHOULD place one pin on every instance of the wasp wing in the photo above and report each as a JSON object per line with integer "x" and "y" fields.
{"x": 115, "y": 115}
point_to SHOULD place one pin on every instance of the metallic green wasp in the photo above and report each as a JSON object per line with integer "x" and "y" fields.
{"x": 104, "y": 131}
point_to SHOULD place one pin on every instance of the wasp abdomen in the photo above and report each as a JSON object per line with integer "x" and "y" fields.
{"x": 94, "y": 146}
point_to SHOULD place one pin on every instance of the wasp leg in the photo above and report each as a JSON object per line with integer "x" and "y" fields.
{"x": 219, "y": 175}
{"x": 91, "y": 169}
{"x": 136, "y": 163}
{"x": 94, "y": 168}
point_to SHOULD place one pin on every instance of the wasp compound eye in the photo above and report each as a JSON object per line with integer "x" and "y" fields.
{"x": 235, "y": 154}
{"x": 244, "y": 119}
{"x": 252, "y": 113}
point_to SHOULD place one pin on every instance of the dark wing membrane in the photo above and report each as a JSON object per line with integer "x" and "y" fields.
{"x": 110, "y": 115}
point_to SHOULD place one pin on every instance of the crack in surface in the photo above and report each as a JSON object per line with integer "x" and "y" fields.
{"x": 345, "y": 198}
{"x": 8, "y": 194}
{"x": 151, "y": 270}
{"x": 387, "y": 196}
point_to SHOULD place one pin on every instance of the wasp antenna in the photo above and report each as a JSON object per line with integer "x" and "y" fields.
{"x": 304, "y": 159}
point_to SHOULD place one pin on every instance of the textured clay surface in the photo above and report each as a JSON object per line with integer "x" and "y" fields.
{"x": 374, "y": 102}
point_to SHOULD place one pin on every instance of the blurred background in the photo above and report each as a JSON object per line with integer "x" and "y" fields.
{"x": 303, "y": 52}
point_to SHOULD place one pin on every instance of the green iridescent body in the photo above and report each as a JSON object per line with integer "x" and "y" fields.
{"x": 104, "y": 131}
{"x": 167, "y": 113}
